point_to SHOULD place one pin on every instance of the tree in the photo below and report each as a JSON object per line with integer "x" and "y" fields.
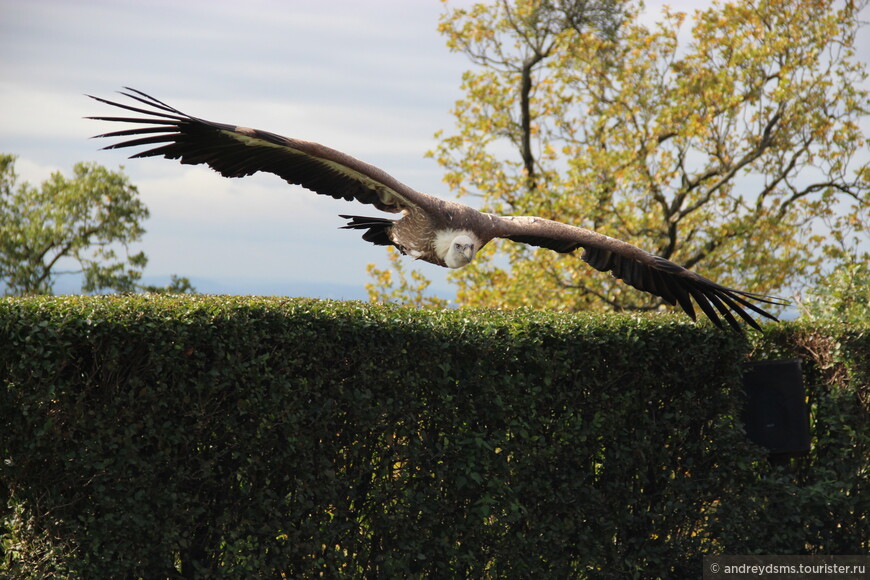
{"x": 83, "y": 220}
{"x": 842, "y": 296}
{"x": 734, "y": 153}
{"x": 392, "y": 285}
{"x": 177, "y": 285}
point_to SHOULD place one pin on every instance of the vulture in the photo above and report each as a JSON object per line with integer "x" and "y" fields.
{"x": 439, "y": 231}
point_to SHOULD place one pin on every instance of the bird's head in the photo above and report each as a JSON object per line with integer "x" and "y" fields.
{"x": 461, "y": 251}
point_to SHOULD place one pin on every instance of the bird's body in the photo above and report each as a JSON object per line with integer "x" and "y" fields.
{"x": 428, "y": 236}
{"x": 439, "y": 231}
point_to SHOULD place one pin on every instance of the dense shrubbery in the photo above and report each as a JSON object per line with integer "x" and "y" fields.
{"x": 244, "y": 437}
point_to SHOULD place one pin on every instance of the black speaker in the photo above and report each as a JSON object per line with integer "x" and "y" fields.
{"x": 775, "y": 412}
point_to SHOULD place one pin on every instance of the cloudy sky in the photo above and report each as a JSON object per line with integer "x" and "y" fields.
{"x": 373, "y": 79}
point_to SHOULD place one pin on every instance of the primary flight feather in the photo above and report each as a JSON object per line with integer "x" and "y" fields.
{"x": 439, "y": 231}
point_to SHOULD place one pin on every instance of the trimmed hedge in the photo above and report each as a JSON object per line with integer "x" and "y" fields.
{"x": 230, "y": 437}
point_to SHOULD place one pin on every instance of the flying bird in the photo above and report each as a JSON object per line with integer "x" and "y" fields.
{"x": 439, "y": 231}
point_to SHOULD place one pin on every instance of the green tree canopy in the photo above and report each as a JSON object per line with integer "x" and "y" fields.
{"x": 734, "y": 150}
{"x": 85, "y": 220}
{"x": 843, "y": 296}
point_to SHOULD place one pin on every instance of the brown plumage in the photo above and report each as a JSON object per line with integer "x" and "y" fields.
{"x": 439, "y": 231}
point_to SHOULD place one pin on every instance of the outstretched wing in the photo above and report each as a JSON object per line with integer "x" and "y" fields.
{"x": 645, "y": 271}
{"x": 239, "y": 151}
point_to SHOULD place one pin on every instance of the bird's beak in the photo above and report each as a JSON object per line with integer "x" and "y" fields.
{"x": 469, "y": 253}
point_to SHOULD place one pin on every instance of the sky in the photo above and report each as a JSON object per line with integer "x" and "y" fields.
{"x": 373, "y": 79}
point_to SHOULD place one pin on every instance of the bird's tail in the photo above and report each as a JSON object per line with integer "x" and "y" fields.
{"x": 378, "y": 228}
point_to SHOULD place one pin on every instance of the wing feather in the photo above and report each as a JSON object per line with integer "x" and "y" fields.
{"x": 640, "y": 269}
{"x": 237, "y": 151}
